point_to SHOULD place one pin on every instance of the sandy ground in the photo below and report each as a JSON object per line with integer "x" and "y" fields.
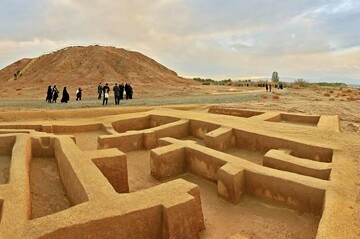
{"x": 252, "y": 217}
{"x": 47, "y": 195}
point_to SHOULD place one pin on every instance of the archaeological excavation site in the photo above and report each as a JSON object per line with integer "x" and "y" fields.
{"x": 176, "y": 173}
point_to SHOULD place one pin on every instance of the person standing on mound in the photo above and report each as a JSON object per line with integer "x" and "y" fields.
{"x": 65, "y": 96}
{"x": 106, "y": 90}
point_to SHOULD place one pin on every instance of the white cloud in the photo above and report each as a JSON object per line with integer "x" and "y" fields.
{"x": 30, "y": 43}
{"x": 12, "y": 51}
{"x": 62, "y": 2}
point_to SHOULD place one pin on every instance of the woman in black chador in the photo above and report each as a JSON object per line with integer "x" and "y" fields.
{"x": 65, "y": 96}
{"x": 55, "y": 94}
{"x": 49, "y": 94}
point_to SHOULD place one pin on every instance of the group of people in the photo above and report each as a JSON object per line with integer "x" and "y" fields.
{"x": 277, "y": 86}
{"x": 53, "y": 94}
{"x": 103, "y": 92}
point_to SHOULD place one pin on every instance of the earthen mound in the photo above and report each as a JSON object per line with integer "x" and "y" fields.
{"x": 86, "y": 67}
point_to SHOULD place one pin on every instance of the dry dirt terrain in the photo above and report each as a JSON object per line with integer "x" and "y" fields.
{"x": 257, "y": 164}
{"x": 340, "y": 101}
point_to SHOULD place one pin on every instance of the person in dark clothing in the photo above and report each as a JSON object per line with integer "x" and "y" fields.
{"x": 116, "y": 90}
{"x": 55, "y": 94}
{"x": 106, "y": 90}
{"x": 126, "y": 91}
{"x": 130, "y": 91}
{"x": 49, "y": 94}
{"x": 266, "y": 87}
{"x": 100, "y": 88}
{"x": 65, "y": 96}
{"x": 78, "y": 94}
{"x": 121, "y": 91}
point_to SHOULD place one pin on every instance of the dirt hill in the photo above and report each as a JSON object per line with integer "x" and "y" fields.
{"x": 85, "y": 67}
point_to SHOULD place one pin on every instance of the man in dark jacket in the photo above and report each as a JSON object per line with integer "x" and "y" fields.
{"x": 116, "y": 90}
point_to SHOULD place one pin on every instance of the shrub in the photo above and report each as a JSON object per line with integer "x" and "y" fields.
{"x": 314, "y": 87}
{"x": 301, "y": 83}
{"x": 351, "y": 98}
{"x": 276, "y": 97}
{"x": 347, "y": 91}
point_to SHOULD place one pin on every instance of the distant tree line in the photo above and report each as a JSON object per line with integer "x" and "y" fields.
{"x": 274, "y": 79}
{"x": 204, "y": 80}
{"x": 304, "y": 83}
{"x": 247, "y": 82}
{"x": 211, "y": 81}
{"x": 330, "y": 84}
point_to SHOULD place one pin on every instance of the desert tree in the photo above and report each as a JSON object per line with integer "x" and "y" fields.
{"x": 275, "y": 77}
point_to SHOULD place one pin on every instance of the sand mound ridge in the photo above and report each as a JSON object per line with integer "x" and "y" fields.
{"x": 87, "y": 66}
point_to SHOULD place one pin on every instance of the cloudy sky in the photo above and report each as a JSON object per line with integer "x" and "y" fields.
{"x": 318, "y": 40}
